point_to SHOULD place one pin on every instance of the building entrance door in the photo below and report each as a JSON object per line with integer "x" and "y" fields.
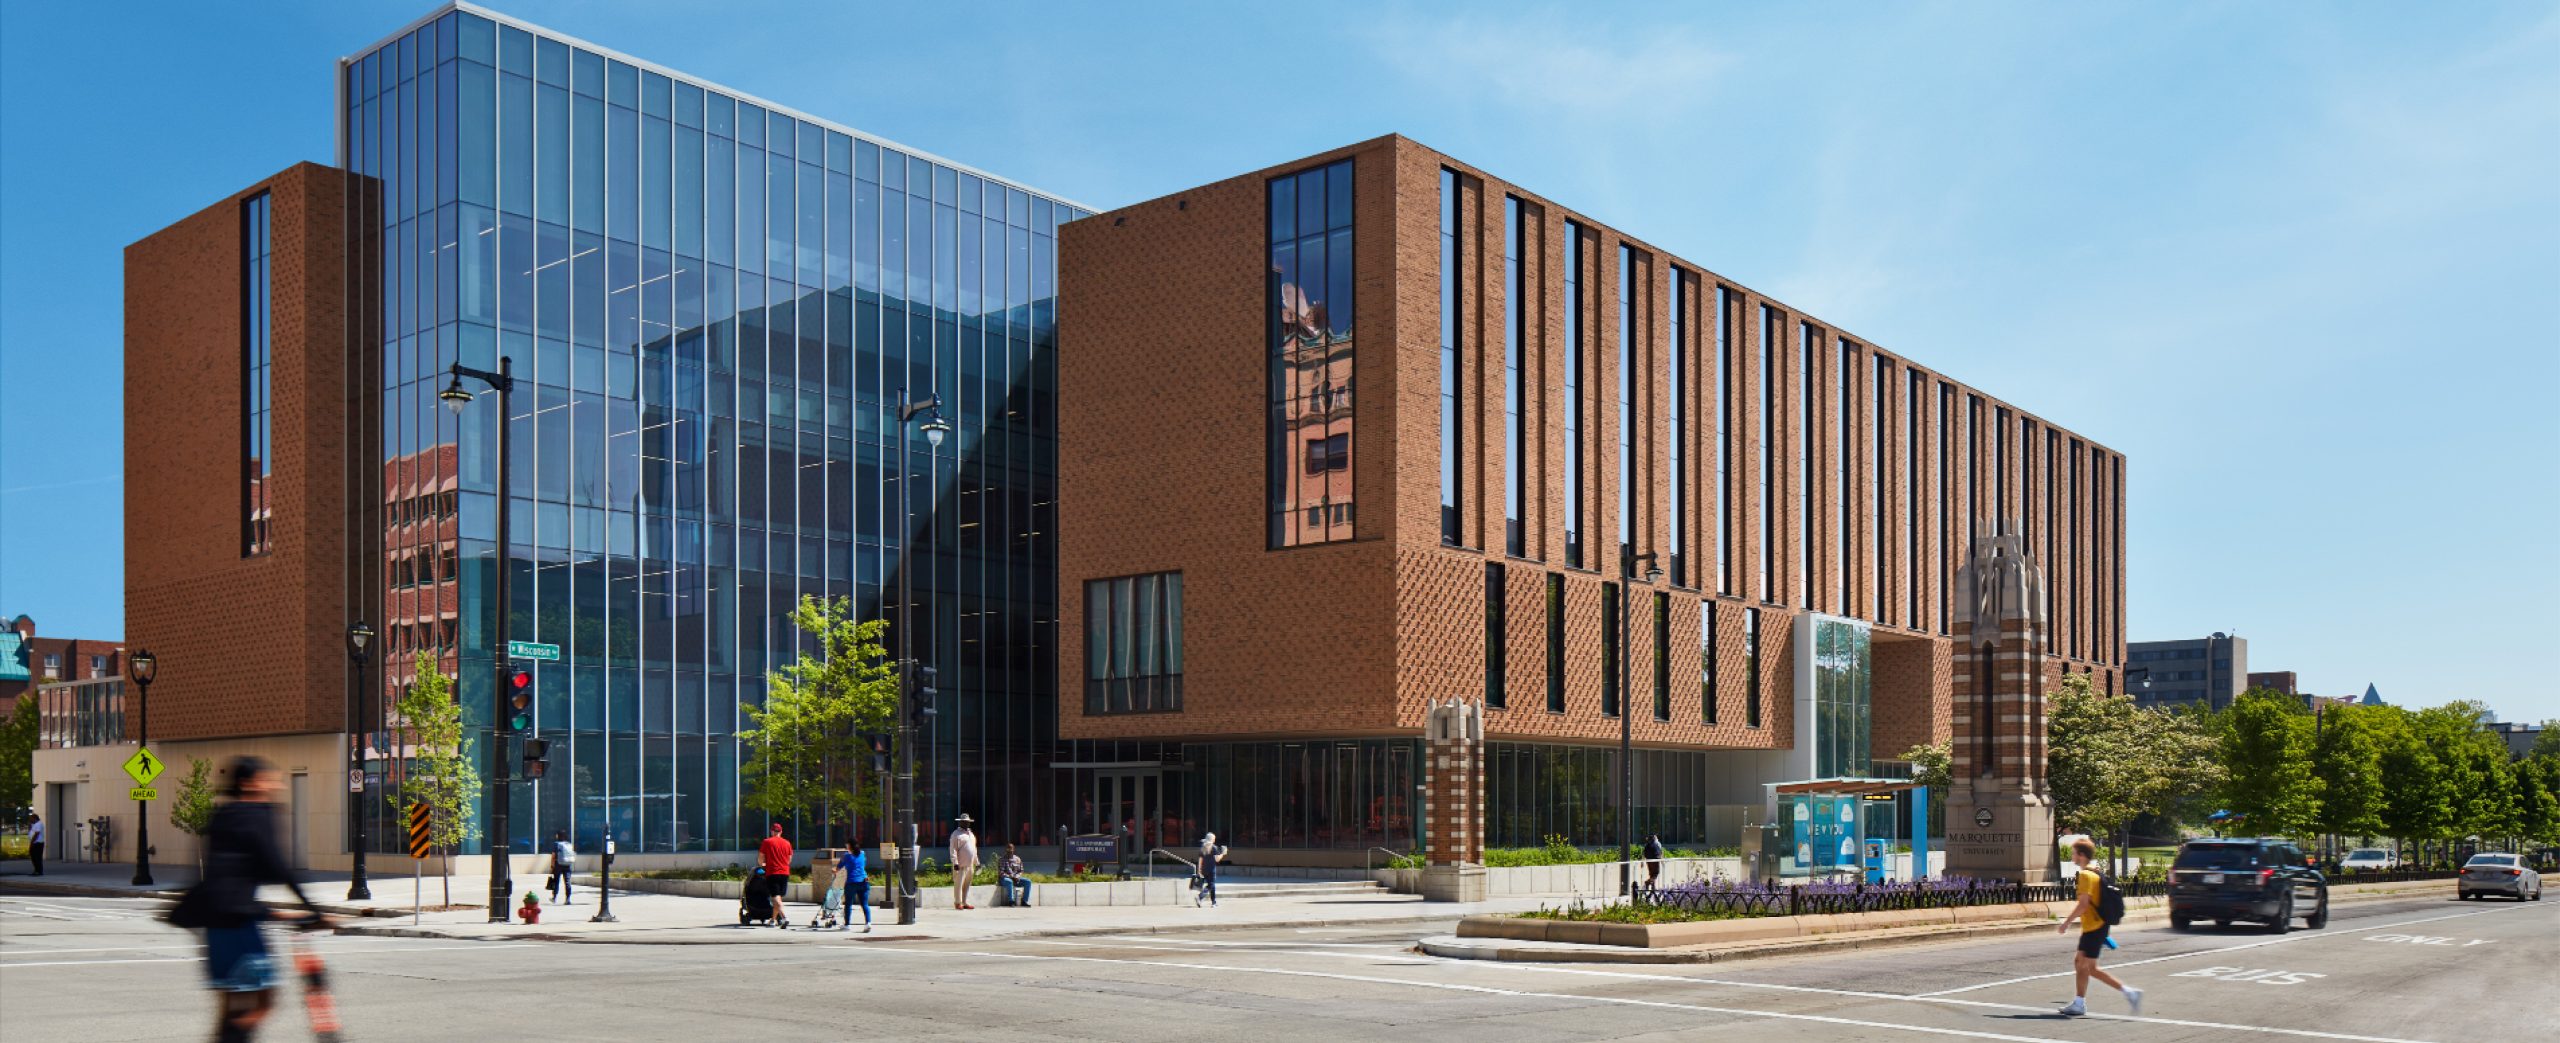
{"x": 1132, "y": 800}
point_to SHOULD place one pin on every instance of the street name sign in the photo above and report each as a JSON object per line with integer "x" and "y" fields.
{"x": 533, "y": 650}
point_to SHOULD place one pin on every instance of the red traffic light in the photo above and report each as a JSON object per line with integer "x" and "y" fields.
{"x": 523, "y": 679}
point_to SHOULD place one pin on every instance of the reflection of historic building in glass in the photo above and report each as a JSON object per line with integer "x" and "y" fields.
{"x": 711, "y": 305}
{"x": 1549, "y": 409}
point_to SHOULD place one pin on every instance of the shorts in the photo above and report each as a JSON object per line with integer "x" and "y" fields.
{"x": 236, "y": 959}
{"x": 2093, "y": 941}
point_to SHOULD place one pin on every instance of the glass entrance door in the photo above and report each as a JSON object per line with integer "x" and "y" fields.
{"x": 1128, "y": 803}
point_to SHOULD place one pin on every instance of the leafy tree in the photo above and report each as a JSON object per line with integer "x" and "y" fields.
{"x": 2537, "y": 809}
{"x": 2417, "y": 788}
{"x": 1932, "y": 766}
{"x": 2266, "y": 751}
{"x": 2091, "y": 755}
{"x": 439, "y": 771}
{"x": 2176, "y": 764}
{"x": 2346, "y": 758}
{"x": 17, "y": 759}
{"x": 2547, "y": 743}
{"x": 815, "y": 711}
{"x": 191, "y": 808}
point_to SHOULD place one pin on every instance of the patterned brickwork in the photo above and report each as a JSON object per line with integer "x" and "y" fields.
{"x": 190, "y": 595}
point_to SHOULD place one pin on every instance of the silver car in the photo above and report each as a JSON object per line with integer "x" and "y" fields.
{"x": 2501, "y": 875}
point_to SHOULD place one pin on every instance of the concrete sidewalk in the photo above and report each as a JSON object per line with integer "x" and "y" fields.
{"x": 662, "y": 919}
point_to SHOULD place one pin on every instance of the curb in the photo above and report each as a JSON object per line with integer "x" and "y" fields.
{"x": 767, "y": 936}
{"x": 1455, "y": 948}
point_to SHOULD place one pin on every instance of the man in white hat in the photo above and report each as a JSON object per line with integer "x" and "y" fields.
{"x": 964, "y": 860}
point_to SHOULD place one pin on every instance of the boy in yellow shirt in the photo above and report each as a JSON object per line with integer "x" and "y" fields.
{"x": 2093, "y": 935}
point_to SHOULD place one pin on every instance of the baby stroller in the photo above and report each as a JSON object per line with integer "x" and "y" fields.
{"x": 755, "y": 905}
{"x": 830, "y": 907}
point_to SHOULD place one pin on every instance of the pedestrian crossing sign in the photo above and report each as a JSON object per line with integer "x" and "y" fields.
{"x": 142, "y": 766}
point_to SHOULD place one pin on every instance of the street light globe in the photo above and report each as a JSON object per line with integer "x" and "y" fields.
{"x": 934, "y": 428}
{"x": 454, "y": 397}
{"x": 359, "y": 636}
{"x": 144, "y": 666}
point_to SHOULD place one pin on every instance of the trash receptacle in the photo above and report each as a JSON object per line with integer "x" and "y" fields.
{"x": 822, "y": 872}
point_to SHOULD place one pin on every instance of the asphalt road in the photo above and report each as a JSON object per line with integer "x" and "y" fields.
{"x": 100, "y": 969}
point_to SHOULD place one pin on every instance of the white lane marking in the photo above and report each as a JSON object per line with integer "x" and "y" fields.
{"x": 1491, "y": 991}
{"x": 30, "y": 907}
{"x": 2303, "y": 937}
{"x": 329, "y": 952}
{"x": 2259, "y": 975}
{"x": 1364, "y": 957}
{"x": 1930, "y": 999}
{"x": 1171, "y": 940}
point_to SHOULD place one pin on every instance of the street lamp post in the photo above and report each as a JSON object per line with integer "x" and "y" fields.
{"x": 1626, "y": 726}
{"x": 143, "y": 667}
{"x": 909, "y": 666}
{"x": 359, "y": 637}
{"x": 501, "y": 880}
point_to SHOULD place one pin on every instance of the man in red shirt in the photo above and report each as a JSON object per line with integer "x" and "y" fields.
{"x": 774, "y": 856}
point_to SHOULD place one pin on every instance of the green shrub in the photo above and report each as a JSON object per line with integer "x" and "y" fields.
{"x": 1635, "y": 914}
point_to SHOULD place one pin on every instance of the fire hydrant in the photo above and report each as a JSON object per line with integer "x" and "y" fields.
{"x": 531, "y": 910}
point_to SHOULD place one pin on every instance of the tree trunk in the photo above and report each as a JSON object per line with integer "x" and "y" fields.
{"x": 445, "y": 863}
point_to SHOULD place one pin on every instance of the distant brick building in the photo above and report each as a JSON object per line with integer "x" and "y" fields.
{"x": 28, "y": 660}
{"x": 2278, "y": 680}
{"x": 1474, "y": 420}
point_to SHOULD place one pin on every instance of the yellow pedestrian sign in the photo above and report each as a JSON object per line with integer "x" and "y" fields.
{"x": 145, "y": 793}
{"x": 142, "y": 766}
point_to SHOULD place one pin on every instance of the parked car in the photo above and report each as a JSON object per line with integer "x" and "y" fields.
{"x": 2264, "y": 880}
{"x": 2368, "y": 860}
{"x": 2499, "y": 874}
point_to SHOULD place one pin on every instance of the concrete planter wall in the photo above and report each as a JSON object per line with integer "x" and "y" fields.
{"x": 1597, "y": 879}
{"x": 1124, "y": 892}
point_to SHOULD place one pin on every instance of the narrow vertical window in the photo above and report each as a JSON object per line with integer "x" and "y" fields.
{"x": 2052, "y": 522}
{"x": 2071, "y": 576}
{"x": 1515, "y": 539}
{"x": 1555, "y": 643}
{"x": 1613, "y": 650}
{"x": 1452, "y": 425}
{"x": 1675, "y": 362}
{"x": 257, "y": 357}
{"x": 1573, "y": 389}
{"x": 2000, "y": 519}
{"x": 1844, "y": 405}
{"x": 1751, "y": 667}
{"x": 1311, "y": 355}
{"x": 1945, "y": 500}
{"x": 1807, "y": 461}
{"x": 1973, "y": 468}
{"x": 1497, "y": 630}
{"x": 1661, "y": 656}
{"x": 1880, "y": 451}
{"x": 1911, "y": 405}
{"x": 1707, "y": 661}
{"x": 1767, "y": 376}
{"x": 1626, "y": 411}
{"x": 1724, "y": 442}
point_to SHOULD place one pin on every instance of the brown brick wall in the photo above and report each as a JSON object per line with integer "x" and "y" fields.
{"x": 246, "y": 645}
{"x": 1162, "y": 447}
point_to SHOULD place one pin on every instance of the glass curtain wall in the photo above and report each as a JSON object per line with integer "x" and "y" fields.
{"x": 1534, "y": 791}
{"x": 1842, "y": 689}
{"x": 711, "y": 309}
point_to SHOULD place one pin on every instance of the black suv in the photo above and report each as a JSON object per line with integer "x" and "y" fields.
{"x": 2265, "y": 881}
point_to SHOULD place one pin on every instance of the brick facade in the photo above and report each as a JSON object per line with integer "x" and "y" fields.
{"x": 1162, "y": 435}
{"x": 247, "y": 645}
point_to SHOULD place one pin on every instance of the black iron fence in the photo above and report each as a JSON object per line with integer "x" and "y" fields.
{"x": 1747, "y": 898}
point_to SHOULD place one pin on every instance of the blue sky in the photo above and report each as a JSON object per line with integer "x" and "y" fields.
{"x": 2300, "y": 263}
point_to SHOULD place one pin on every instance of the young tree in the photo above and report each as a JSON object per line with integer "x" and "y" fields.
{"x": 191, "y": 808}
{"x": 2266, "y": 748}
{"x": 1932, "y": 766}
{"x": 2091, "y": 757}
{"x": 2177, "y": 763}
{"x": 2417, "y": 789}
{"x": 815, "y": 711}
{"x": 439, "y": 771}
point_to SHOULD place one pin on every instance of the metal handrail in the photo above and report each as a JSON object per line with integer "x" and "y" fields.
{"x": 1391, "y": 854}
{"x": 1151, "y": 861}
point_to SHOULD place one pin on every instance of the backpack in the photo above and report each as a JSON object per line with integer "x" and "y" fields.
{"x": 2110, "y": 900}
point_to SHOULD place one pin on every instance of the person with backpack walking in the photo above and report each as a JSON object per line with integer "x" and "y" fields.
{"x": 1210, "y": 854}
{"x": 563, "y": 858}
{"x": 241, "y": 853}
{"x": 1653, "y": 853}
{"x": 854, "y": 869}
{"x": 2101, "y": 906}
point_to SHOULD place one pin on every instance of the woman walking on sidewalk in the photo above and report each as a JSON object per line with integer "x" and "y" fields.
{"x": 241, "y": 854}
{"x": 854, "y": 868}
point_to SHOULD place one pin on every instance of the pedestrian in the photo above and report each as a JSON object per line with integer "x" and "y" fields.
{"x": 854, "y": 868}
{"x": 964, "y": 860}
{"x": 1652, "y": 860}
{"x": 1011, "y": 885}
{"x": 1210, "y": 855}
{"x": 2093, "y": 933}
{"x": 35, "y": 844}
{"x": 563, "y": 857}
{"x": 241, "y": 854}
{"x": 774, "y": 857}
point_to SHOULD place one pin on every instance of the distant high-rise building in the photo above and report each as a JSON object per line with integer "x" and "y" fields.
{"x": 2208, "y": 669}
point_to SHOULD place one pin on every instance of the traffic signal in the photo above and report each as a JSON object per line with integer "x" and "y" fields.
{"x": 880, "y": 751}
{"x": 520, "y": 699}
{"x": 920, "y": 709}
{"x": 537, "y": 757}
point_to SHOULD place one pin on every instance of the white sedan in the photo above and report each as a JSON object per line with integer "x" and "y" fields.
{"x": 2499, "y": 874}
{"x": 2368, "y": 860}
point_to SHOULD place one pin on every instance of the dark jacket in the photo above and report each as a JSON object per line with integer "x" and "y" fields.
{"x": 241, "y": 854}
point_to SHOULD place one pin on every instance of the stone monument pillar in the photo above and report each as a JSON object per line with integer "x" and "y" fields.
{"x": 1999, "y": 812}
{"x": 1453, "y": 802}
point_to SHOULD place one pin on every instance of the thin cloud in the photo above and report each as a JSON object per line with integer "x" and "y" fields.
{"x": 1550, "y": 64}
